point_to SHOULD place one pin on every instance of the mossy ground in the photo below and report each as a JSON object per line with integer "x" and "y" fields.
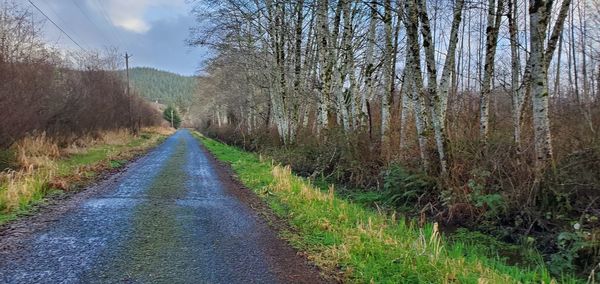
{"x": 154, "y": 248}
{"x": 157, "y": 232}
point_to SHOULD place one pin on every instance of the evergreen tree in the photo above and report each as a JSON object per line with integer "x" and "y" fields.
{"x": 165, "y": 87}
{"x": 172, "y": 116}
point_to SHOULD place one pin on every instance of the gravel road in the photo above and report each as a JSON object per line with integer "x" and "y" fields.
{"x": 172, "y": 216}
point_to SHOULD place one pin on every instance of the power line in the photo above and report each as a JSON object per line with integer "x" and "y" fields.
{"x": 57, "y": 26}
{"x": 50, "y": 11}
{"x": 92, "y": 22}
{"x": 103, "y": 12}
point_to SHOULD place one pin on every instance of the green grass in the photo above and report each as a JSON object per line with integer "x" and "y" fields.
{"x": 100, "y": 154}
{"x": 357, "y": 244}
{"x": 89, "y": 157}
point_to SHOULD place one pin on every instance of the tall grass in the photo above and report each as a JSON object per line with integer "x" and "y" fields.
{"x": 36, "y": 157}
{"x": 43, "y": 165}
{"x": 360, "y": 245}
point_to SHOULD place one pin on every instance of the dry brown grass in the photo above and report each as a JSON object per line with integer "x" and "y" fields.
{"x": 161, "y": 130}
{"x": 112, "y": 137}
{"x": 36, "y": 152}
{"x": 20, "y": 186}
{"x": 115, "y": 137}
{"x": 36, "y": 157}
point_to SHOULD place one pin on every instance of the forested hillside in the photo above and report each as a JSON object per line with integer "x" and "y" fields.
{"x": 475, "y": 114}
{"x": 164, "y": 87}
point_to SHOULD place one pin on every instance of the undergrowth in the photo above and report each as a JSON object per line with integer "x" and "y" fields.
{"x": 363, "y": 245}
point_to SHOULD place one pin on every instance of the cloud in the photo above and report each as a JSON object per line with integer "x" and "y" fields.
{"x": 134, "y": 25}
{"x": 137, "y": 15}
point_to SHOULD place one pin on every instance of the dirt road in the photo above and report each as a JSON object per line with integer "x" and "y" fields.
{"x": 172, "y": 216}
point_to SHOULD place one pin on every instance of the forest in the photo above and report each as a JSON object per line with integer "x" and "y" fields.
{"x": 479, "y": 115}
{"x": 163, "y": 87}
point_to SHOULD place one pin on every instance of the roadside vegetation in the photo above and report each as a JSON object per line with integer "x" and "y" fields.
{"x": 39, "y": 166}
{"x": 360, "y": 244}
{"x": 65, "y": 95}
{"x": 66, "y": 116}
{"x": 483, "y": 116}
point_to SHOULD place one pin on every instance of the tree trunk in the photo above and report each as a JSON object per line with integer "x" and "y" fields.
{"x": 516, "y": 90}
{"x": 386, "y": 97}
{"x": 493, "y": 27}
{"x": 449, "y": 65}
{"x": 414, "y": 68}
{"x": 538, "y": 14}
{"x": 324, "y": 74}
{"x": 369, "y": 68}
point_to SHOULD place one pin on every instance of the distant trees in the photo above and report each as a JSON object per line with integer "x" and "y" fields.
{"x": 165, "y": 87}
{"x": 171, "y": 115}
{"x": 42, "y": 89}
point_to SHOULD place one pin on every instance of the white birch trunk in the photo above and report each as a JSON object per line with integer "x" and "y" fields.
{"x": 493, "y": 27}
{"x": 414, "y": 68}
{"x": 516, "y": 91}
{"x": 449, "y": 65}
{"x": 541, "y": 122}
{"x": 369, "y": 65}
{"x": 388, "y": 80}
{"x": 322, "y": 34}
{"x": 407, "y": 93}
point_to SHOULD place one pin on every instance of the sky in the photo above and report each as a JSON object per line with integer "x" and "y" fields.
{"x": 153, "y": 31}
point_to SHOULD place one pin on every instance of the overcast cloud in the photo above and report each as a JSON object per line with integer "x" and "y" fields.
{"x": 153, "y": 31}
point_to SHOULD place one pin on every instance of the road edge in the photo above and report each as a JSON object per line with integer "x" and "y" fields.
{"x": 51, "y": 207}
{"x": 279, "y": 226}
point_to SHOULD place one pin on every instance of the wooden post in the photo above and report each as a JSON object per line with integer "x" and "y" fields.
{"x": 131, "y": 123}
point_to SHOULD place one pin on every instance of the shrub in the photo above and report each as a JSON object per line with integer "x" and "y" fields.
{"x": 64, "y": 94}
{"x": 404, "y": 189}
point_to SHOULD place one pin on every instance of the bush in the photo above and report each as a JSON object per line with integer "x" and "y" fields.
{"x": 569, "y": 206}
{"x": 65, "y": 95}
{"x": 407, "y": 190}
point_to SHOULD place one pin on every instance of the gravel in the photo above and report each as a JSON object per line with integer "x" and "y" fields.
{"x": 172, "y": 216}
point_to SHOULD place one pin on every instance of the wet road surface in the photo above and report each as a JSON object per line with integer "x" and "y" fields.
{"x": 167, "y": 218}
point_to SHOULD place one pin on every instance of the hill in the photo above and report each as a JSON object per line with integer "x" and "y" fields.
{"x": 162, "y": 86}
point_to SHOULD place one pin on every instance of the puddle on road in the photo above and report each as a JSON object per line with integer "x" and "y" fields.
{"x": 110, "y": 203}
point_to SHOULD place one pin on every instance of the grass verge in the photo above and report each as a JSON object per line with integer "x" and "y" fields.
{"x": 44, "y": 168}
{"x": 357, "y": 244}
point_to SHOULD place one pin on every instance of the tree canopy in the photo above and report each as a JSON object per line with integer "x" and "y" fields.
{"x": 164, "y": 87}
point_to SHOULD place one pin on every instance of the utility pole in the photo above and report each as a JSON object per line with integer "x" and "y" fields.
{"x": 3, "y": 49}
{"x": 127, "y": 56}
